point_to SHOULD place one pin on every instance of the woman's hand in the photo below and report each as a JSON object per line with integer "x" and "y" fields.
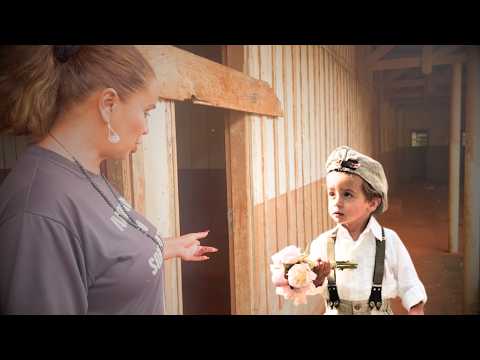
{"x": 187, "y": 247}
{"x": 416, "y": 309}
{"x": 322, "y": 270}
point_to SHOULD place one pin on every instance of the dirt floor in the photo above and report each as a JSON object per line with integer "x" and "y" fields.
{"x": 419, "y": 214}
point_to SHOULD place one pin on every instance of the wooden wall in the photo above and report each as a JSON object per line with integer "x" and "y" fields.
{"x": 148, "y": 180}
{"x": 275, "y": 167}
{"x": 430, "y": 163}
{"x": 325, "y": 106}
{"x": 11, "y": 147}
{"x": 161, "y": 192}
{"x": 388, "y": 142}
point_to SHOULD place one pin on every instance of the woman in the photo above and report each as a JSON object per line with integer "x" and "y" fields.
{"x": 69, "y": 243}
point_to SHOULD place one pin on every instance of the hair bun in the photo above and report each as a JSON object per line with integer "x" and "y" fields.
{"x": 65, "y": 52}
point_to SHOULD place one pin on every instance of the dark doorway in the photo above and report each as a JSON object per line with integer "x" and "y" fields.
{"x": 202, "y": 189}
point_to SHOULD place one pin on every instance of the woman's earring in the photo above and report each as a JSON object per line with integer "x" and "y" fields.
{"x": 113, "y": 137}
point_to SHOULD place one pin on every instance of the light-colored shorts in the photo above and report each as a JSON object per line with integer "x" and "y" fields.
{"x": 347, "y": 307}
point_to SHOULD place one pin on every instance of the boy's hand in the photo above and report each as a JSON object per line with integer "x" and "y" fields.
{"x": 416, "y": 309}
{"x": 322, "y": 270}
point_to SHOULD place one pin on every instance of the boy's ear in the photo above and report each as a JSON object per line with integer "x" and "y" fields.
{"x": 375, "y": 203}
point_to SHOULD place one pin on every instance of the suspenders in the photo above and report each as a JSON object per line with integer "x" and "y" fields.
{"x": 375, "y": 299}
{"x": 334, "y": 300}
{"x": 376, "y": 292}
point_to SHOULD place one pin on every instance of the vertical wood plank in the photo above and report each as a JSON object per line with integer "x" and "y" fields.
{"x": 138, "y": 180}
{"x": 290, "y": 145}
{"x": 20, "y": 145}
{"x": 297, "y": 88}
{"x": 241, "y": 216}
{"x": 306, "y": 145}
{"x": 260, "y": 286}
{"x": 161, "y": 207}
{"x": 319, "y": 94}
{"x": 314, "y": 140}
{"x": 2, "y": 153}
{"x": 280, "y": 151}
{"x": 266, "y": 72}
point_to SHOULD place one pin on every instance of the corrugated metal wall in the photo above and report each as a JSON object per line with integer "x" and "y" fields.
{"x": 325, "y": 106}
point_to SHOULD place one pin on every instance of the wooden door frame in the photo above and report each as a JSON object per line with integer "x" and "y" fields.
{"x": 237, "y": 158}
{"x": 239, "y": 195}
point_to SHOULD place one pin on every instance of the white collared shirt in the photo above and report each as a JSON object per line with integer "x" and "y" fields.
{"x": 400, "y": 277}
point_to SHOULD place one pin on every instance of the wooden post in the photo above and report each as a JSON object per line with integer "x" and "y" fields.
{"x": 454, "y": 168}
{"x": 472, "y": 179}
{"x": 240, "y": 212}
{"x": 427, "y": 52}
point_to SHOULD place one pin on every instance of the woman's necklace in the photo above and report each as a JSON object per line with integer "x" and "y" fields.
{"x": 128, "y": 219}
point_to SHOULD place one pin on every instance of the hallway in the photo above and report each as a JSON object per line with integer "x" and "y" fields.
{"x": 419, "y": 215}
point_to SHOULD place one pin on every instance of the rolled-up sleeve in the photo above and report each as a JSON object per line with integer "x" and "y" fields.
{"x": 410, "y": 288}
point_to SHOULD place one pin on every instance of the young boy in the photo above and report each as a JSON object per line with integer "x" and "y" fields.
{"x": 357, "y": 190}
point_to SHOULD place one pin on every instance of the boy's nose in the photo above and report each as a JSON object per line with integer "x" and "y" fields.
{"x": 337, "y": 201}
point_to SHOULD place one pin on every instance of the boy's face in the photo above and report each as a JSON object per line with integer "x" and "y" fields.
{"x": 347, "y": 204}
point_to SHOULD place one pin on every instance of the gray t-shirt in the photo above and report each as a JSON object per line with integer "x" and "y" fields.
{"x": 63, "y": 250}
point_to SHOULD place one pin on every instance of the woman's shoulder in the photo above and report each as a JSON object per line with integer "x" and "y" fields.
{"x": 36, "y": 185}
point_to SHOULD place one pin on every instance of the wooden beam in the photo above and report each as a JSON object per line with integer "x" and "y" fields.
{"x": 415, "y": 62}
{"x": 412, "y": 94}
{"x": 429, "y": 87}
{"x": 406, "y": 83}
{"x": 185, "y": 76}
{"x": 417, "y": 100}
{"x": 427, "y": 57}
{"x": 446, "y": 50}
{"x": 394, "y": 75}
{"x": 449, "y": 59}
{"x": 401, "y": 63}
{"x": 379, "y": 53}
{"x": 390, "y": 77}
{"x": 437, "y": 79}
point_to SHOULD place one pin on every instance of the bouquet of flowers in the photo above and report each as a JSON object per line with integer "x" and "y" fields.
{"x": 293, "y": 276}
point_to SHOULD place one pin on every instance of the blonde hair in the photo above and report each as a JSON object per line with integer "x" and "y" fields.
{"x": 39, "y": 83}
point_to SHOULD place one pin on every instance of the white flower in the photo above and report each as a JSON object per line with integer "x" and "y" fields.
{"x": 288, "y": 255}
{"x": 278, "y": 275}
{"x": 300, "y": 275}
